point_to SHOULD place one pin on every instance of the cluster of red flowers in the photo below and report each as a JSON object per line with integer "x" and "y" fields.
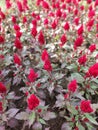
{"x": 1, "y": 39}
{"x": 33, "y": 102}
{"x": 32, "y": 75}
{"x": 45, "y": 58}
{"x": 72, "y": 86}
{"x": 2, "y": 88}
{"x": 17, "y": 59}
{"x": 2, "y": 91}
{"x": 85, "y": 106}
{"x": 93, "y": 70}
{"x": 61, "y": 29}
{"x": 82, "y": 60}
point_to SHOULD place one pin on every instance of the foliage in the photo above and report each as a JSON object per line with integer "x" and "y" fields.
{"x": 49, "y": 64}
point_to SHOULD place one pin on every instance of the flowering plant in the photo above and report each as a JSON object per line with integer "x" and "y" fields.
{"x": 49, "y": 64}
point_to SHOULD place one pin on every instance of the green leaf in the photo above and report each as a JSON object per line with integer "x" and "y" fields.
{"x": 22, "y": 116}
{"x": 31, "y": 118}
{"x": 49, "y": 115}
{"x": 58, "y": 76}
{"x": 63, "y": 65}
{"x": 71, "y": 109}
{"x": 42, "y": 121}
{"x": 89, "y": 126}
{"x": 57, "y": 37}
{"x": 78, "y": 77}
{"x": 91, "y": 119}
{"x": 94, "y": 87}
{"x": 67, "y": 118}
{"x": 80, "y": 127}
{"x": 71, "y": 67}
{"x": 95, "y": 80}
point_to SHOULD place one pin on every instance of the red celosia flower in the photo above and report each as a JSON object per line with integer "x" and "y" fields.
{"x": 76, "y": 128}
{"x": 96, "y": 56}
{"x": 57, "y": 4}
{"x": 28, "y": 83}
{"x": 82, "y": 7}
{"x": 58, "y": 13}
{"x": 34, "y": 32}
{"x": 33, "y": 14}
{"x": 87, "y": 75}
{"x": 45, "y": 21}
{"x": 70, "y": 9}
{"x": 33, "y": 102}
{"x": 51, "y": 14}
{"x": 2, "y": 57}
{"x": 78, "y": 42}
{"x": 88, "y": 86}
{"x": 63, "y": 39}
{"x": 38, "y": 2}
{"x": 66, "y": 26}
{"x": 53, "y": 5}
{"x": 85, "y": 106}
{"x": 41, "y": 38}
{"x": 62, "y": 1}
{"x": 82, "y": 60}
{"x": 1, "y": 107}
{"x": 2, "y": 39}
{"x": 18, "y": 43}
{"x": 44, "y": 55}
{"x": 92, "y": 47}
{"x": 64, "y": 15}
{"x": 2, "y": 88}
{"x": 80, "y": 30}
{"x": 18, "y": 34}
{"x": 96, "y": 3}
{"x": 75, "y": 2}
{"x": 32, "y": 75}
{"x": 77, "y": 107}
{"x": 24, "y": 19}
{"x": 34, "y": 22}
{"x": 47, "y": 65}
{"x": 76, "y": 12}
{"x": 38, "y": 17}
{"x": 96, "y": 35}
{"x": 38, "y": 85}
{"x": 25, "y": 5}
{"x": 14, "y": 19}
{"x": 93, "y": 70}
{"x": 68, "y": 1}
{"x": 8, "y": 4}
{"x": 63, "y": 6}
{"x": 16, "y": 27}
{"x": 86, "y": 120}
{"x": 19, "y": 5}
{"x": 17, "y": 59}
{"x": 76, "y": 21}
{"x": 91, "y": 13}
{"x": 72, "y": 86}
{"x": 26, "y": 93}
{"x": 90, "y": 7}
{"x": 0, "y": 23}
{"x": 54, "y": 24}
{"x": 66, "y": 96}
{"x": 89, "y": 1}
{"x": 45, "y": 5}
{"x": 90, "y": 23}
{"x": 40, "y": 110}
{"x": 2, "y": 14}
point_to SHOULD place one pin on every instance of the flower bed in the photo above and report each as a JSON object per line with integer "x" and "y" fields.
{"x": 49, "y": 65}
